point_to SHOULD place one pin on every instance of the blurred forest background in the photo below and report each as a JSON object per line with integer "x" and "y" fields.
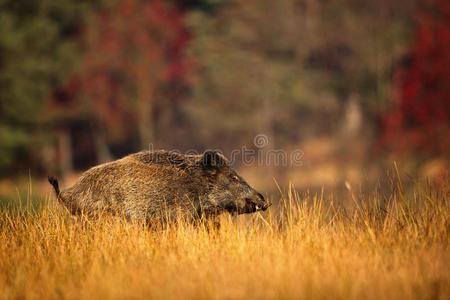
{"x": 353, "y": 84}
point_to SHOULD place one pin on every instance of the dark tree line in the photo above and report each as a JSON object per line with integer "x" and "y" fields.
{"x": 82, "y": 82}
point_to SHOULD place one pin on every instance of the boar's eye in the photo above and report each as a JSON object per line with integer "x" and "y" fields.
{"x": 234, "y": 178}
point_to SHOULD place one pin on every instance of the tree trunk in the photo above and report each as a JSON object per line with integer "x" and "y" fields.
{"x": 101, "y": 146}
{"x": 65, "y": 152}
{"x": 145, "y": 128}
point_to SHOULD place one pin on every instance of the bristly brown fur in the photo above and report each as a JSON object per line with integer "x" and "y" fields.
{"x": 161, "y": 185}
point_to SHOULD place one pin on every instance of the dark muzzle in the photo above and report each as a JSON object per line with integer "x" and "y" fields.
{"x": 256, "y": 204}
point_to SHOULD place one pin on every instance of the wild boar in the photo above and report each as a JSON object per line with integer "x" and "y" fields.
{"x": 162, "y": 185}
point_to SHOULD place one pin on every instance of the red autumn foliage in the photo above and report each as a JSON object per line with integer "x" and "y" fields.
{"x": 133, "y": 56}
{"x": 419, "y": 123}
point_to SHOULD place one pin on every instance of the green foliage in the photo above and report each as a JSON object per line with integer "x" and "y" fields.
{"x": 13, "y": 140}
{"x": 37, "y": 51}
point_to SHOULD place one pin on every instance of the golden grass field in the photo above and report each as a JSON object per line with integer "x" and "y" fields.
{"x": 307, "y": 247}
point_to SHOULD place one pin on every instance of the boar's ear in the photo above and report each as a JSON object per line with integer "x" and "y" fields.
{"x": 212, "y": 159}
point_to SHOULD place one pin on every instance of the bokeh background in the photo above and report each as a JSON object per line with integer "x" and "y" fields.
{"x": 355, "y": 85}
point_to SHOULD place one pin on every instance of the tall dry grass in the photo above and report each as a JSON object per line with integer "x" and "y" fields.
{"x": 309, "y": 247}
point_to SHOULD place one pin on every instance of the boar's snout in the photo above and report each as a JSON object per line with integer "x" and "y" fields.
{"x": 266, "y": 203}
{"x": 257, "y": 203}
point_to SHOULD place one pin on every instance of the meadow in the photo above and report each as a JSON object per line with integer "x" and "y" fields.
{"x": 391, "y": 245}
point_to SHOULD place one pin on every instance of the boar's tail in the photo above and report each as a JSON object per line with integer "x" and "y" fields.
{"x": 53, "y": 181}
